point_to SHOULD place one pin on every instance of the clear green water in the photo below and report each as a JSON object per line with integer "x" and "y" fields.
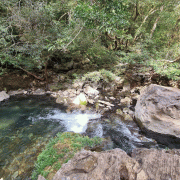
{"x": 26, "y": 125}
{"x": 22, "y": 134}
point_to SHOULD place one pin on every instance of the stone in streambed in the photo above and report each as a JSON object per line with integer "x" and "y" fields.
{"x": 80, "y": 99}
{"x": 3, "y": 95}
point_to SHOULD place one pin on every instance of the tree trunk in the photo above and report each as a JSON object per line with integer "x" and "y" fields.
{"x": 155, "y": 24}
{"x": 139, "y": 29}
{"x": 136, "y": 11}
{"x": 42, "y": 79}
{"x": 46, "y": 74}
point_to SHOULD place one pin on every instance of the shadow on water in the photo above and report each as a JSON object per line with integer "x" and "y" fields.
{"x": 125, "y": 135}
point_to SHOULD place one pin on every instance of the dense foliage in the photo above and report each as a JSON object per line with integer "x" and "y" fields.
{"x": 36, "y": 32}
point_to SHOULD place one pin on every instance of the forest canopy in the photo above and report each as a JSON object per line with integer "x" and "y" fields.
{"x": 36, "y": 32}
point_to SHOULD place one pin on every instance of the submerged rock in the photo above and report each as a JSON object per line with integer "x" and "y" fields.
{"x": 3, "y": 95}
{"x": 158, "y": 110}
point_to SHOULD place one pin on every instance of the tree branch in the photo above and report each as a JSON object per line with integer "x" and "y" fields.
{"x": 74, "y": 37}
{"x": 139, "y": 29}
{"x": 176, "y": 60}
{"x": 42, "y": 79}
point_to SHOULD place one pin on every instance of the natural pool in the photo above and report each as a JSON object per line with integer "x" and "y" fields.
{"x": 28, "y": 122}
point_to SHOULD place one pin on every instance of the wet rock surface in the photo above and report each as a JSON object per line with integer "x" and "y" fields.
{"x": 158, "y": 111}
{"x": 124, "y": 134}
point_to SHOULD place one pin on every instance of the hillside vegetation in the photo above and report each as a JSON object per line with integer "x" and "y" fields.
{"x": 35, "y": 35}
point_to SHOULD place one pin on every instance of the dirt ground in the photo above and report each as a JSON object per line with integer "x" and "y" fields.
{"x": 18, "y": 80}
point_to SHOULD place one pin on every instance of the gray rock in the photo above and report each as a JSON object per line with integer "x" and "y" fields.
{"x": 77, "y": 85}
{"x": 39, "y": 92}
{"x": 126, "y": 86}
{"x": 112, "y": 165}
{"x": 158, "y": 110}
{"x": 80, "y": 99}
{"x": 158, "y": 164}
{"x": 60, "y": 100}
{"x": 3, "y": 95}
{"x": 144, "y": 164}
{"x": 72, "y": 92}
{"x": 106, "y": 103}
{"x": 12, "y": 93}
{"x": 126, "y": 101}
{"x": 91, "y": 101}
{"x": 65, "y": 93}
{"x": 90, "y": 91}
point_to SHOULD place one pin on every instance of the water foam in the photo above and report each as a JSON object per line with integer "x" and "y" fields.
{"x": 75, "y": 121}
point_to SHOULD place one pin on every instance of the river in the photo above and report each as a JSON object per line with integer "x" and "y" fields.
{"x": 28, "y": 122}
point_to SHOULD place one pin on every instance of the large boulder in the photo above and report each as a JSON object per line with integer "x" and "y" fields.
{"x": 144, "y": 164}
{"x": 159, "y": 164}
{"x": 3, "y": 95}
{"x": 158, "y": 110}
{"x": 112, "y": 165}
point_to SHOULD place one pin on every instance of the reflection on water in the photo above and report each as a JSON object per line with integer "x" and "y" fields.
{"x": 26, "y": 124}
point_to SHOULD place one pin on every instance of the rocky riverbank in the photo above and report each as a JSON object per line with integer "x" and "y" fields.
{"x": 144, "y": 164}
{"x": 126, "y": 99}
{"x": 157, "y": 111}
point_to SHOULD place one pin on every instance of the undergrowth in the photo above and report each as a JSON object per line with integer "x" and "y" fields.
{"x": 171, "y": 70}
{"x": 101, "y": 75}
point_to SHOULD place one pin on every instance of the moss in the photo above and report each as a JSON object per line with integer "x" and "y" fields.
{"x": 59, "y": 151}
{"x": 84, "y": 103}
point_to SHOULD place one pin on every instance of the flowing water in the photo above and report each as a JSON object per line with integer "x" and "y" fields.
{"x": 27, "y": 123}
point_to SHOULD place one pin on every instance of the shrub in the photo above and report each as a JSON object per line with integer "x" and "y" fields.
{"x": 101, "y": 75}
